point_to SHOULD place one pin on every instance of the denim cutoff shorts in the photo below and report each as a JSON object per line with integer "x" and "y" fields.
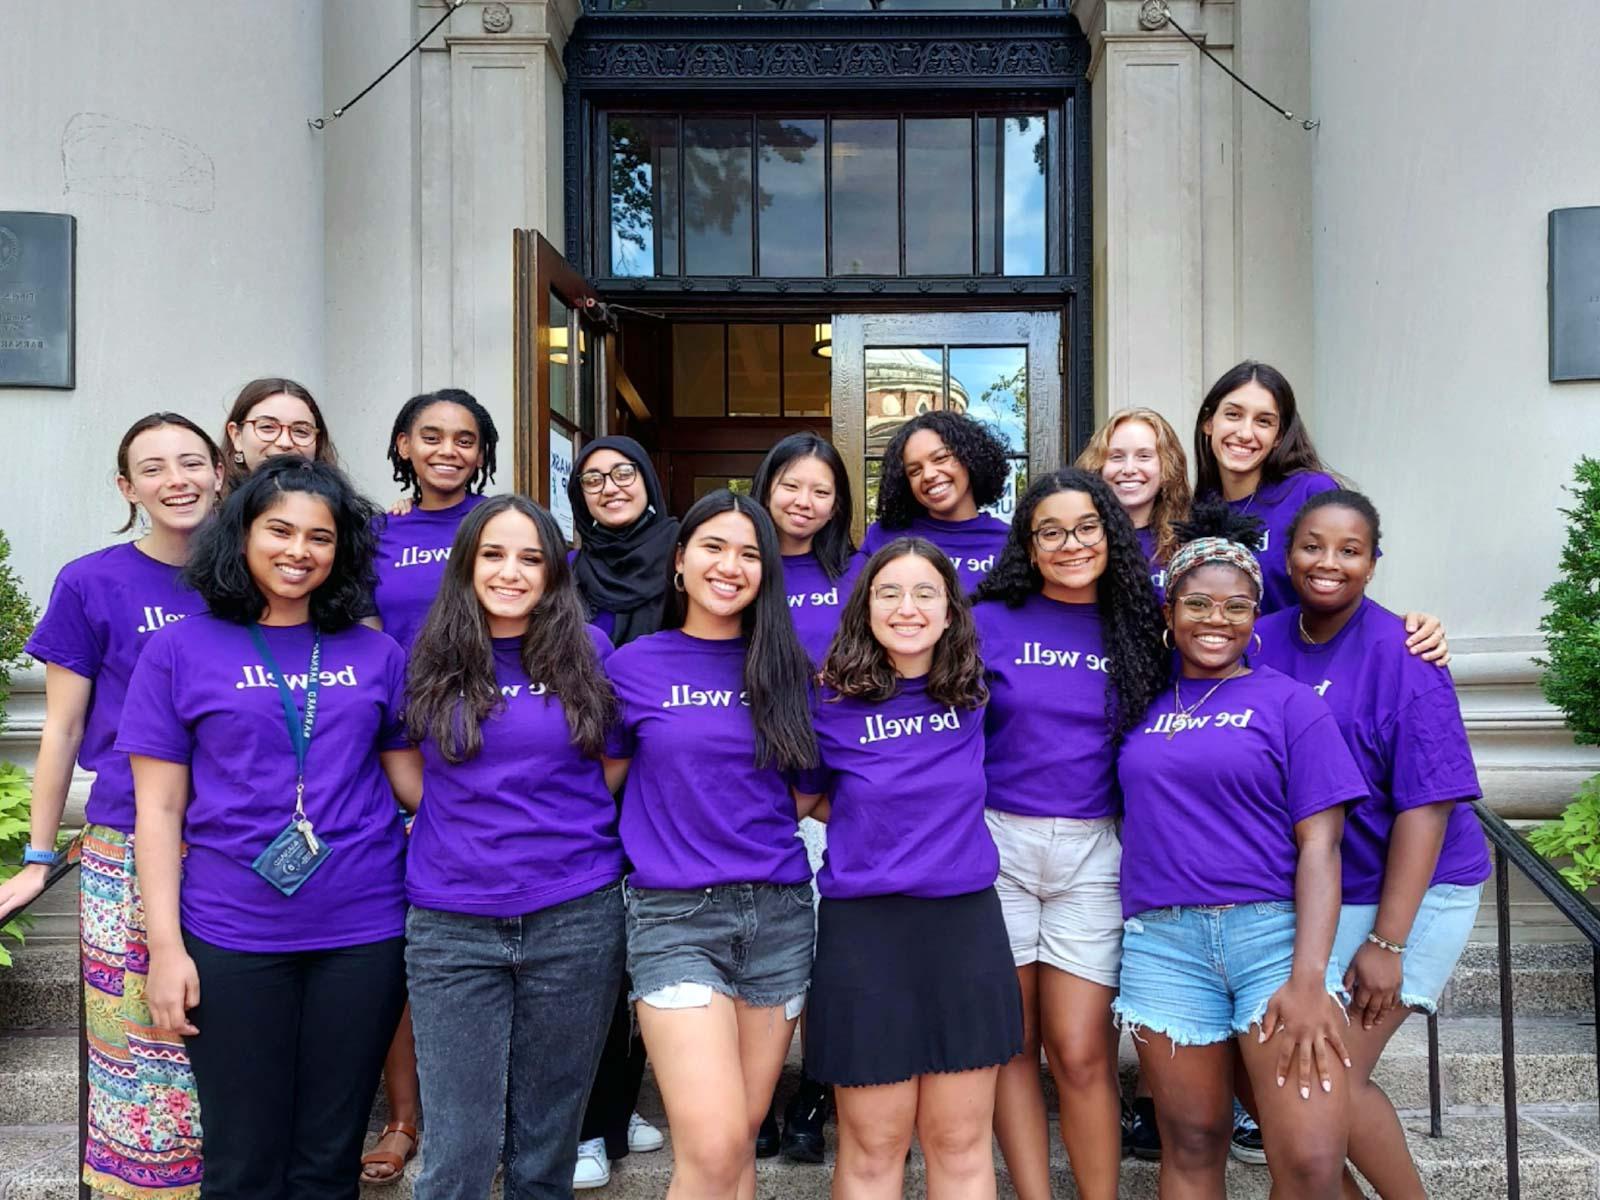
{"x": 1202, "y": 974}
{"x": 1438, "y": 935}
{"x": 751, "y": 941}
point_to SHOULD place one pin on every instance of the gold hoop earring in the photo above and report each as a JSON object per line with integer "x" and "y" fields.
{"x": 677, "y": 580}
{"x": 1166, "y": 636}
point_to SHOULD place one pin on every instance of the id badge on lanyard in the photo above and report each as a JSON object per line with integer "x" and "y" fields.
{"x": 292, "y": 856}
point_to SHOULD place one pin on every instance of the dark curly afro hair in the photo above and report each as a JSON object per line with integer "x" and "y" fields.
{"x": 976, "y": 448}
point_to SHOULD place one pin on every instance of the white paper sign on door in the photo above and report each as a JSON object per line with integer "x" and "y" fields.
{"x": 560, "y": 472}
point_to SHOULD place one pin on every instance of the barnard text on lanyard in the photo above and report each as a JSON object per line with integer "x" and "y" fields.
{"x": 299, "y": 727}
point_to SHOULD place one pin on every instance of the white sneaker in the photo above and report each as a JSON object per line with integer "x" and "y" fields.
{"x": 643, "y": 1137}
{"x": 594, "y": 1168}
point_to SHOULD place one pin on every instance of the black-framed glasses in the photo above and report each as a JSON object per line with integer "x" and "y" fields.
{"x": 622, "y": 475}
{"x": 1236, "y": 610}
{"x": 924, "y": 595}
{"x": 1051, "y": 538}
{"x": 301, "y": 433}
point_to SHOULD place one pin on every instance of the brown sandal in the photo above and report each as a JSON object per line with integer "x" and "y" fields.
{"x": 384, "y": 1158}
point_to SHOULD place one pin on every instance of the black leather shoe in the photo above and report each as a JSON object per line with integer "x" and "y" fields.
{"x": 1143, "y": 1136}
{"x": 803, "y": 1119}
{"x": 767, "y": 1139}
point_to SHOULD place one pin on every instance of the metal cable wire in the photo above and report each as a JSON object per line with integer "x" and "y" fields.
{"x": 1307, "y": 125}
{"x": 322, "y": 123}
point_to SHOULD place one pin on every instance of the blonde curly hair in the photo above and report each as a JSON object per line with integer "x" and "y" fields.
{"x": 1174, "y": 497}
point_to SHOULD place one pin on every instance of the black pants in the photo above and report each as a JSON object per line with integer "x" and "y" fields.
{"x": 286, "y": 1063}
{"x": 616, "y": 1083}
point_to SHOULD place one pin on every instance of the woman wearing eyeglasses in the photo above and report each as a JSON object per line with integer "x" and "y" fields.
{"x": 272, "y": 416}
{"x": 1071, "y": 642}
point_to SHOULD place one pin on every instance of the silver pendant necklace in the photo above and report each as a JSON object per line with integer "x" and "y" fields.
{"x": 1181, "y": 715}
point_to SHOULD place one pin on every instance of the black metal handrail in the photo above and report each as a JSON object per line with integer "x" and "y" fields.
{"x": 1511, "y": 851}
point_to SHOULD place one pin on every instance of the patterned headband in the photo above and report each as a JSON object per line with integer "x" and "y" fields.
{"x": 1214, "y": 550}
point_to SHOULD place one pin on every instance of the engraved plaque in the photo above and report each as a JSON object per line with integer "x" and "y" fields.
{"x": 1574, "y": 294}
{"x": 37, "y": 256}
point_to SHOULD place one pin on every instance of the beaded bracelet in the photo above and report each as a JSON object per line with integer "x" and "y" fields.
{"x": 1391, "y": 947}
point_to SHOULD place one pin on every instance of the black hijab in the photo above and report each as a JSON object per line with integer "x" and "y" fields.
{"x": 624, "y": 571}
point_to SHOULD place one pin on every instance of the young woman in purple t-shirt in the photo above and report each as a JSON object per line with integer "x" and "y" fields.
{"x": 514, "y": 940}
{"x": 714, "y": 725}
{"x": 915, "y": 1003}
{"x": 1413, "y": 857}
{"x": 268, "y": 754}
{"x": 1142, "y": 461}
{"x": 939, "y": 470}
{"x": 1071, "y": 641}
{"x": 272, "y": 416}
{"x": 103, "y": 609}
{"x": 1234, "y": 786}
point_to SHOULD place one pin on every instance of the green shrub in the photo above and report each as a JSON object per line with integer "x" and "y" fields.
{"x": 1571, "y": 679}
{"x": 17, "y": 617}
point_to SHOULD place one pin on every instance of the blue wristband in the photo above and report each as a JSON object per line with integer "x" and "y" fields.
{"x": 48, "y": 858}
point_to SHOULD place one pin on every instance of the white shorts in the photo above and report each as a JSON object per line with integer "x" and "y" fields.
{"x": 1059, "y": 890}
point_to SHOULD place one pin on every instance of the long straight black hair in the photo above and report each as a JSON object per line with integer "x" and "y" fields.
{"x": 451, "y": 683}
{"x": 777, "y": 670}
{"x": 831, "y": 545}
{"x": 1294, "y": 451}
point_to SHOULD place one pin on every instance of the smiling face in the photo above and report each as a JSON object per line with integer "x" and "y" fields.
{"x": 1209, "y": 644}
{"x": 1059, "y": 525}
{"x": 1133, "y": 469}
{"x": 508, "y": 572}
{"x": 445, "y": 447}
{"x": 910, "y": 610}
{"x": 1331, "y": 559}
{"x": 289, "y": 420}
{"x": 801, "y": 502}
{"x": 721, "y": 568}
{"x": 937, "y": 478}
{"x": 616, "y": 506}
{"x": 1244, "y": 428}
{"x": 170, "y": 475}
{"x": 289, "y": 551}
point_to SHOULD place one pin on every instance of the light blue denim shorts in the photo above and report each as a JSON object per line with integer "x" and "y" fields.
{"x": 1438, "y": 935}
{"x": 1201, "y": 974}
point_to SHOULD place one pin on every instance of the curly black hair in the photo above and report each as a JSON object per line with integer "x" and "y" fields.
{"x": 1130, "y": 619}
{"x": 976, "y": 447}
{"x": 217, "y": 567}
{"x": 1355, "y": 501}
{"x": 405, "y": 473}
{"x": 1214, "y": 518}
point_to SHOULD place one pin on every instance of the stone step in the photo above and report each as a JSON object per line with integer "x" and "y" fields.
{"x": 1560, "y": 1160}
{"x": 1547, "y": 979}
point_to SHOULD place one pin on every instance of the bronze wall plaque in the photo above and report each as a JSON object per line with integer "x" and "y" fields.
{"x": 37, "y": 284}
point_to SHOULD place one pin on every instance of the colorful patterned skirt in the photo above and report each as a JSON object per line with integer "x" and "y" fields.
{"x": 144, "y": 1118}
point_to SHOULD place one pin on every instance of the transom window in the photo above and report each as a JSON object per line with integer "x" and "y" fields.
{"x": 749, "y": 370}
{"x": 774, "y": 6}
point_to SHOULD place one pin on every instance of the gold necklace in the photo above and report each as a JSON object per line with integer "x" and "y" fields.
{"x": 1181, "y": 715}
{"x": 1300, "y": 619}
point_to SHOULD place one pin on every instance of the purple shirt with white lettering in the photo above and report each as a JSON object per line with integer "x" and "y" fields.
{"x": 413, "y": 552}
{"x": 1276, "y": 504}
{"x": 526, "y": 823}
{"x": 1209, "y": 812}
{"x": 815, "y": 601}
{"x": 696, "y": 811}
{"x": 201, "y": 696}
{"x": 102, "y": 610}
{"x": 906, "y": 788}
{"x": 1049, "y": 751}
{"x": 1158, "y": 569}
{"x": 1400, "y": 718}
{"x": 973, "y": 545}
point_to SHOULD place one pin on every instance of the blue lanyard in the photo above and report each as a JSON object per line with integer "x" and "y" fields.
{"x": 299, "y": 728}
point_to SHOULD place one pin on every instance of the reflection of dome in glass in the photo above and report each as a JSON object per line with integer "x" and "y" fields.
{"x": 903, "y": 383}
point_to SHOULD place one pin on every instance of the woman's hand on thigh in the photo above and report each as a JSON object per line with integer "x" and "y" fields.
{"x": 1310, "y": 1027}
{"x": 1373, "y": 982}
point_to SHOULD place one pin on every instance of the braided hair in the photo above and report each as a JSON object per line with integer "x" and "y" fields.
{"x": 405, "y": 473}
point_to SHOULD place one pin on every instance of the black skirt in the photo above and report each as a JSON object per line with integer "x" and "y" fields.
{"x": 905, "y": 986}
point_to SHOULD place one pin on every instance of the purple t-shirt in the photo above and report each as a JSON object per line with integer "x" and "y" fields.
{"x": 1158, "y": 569}
{"x": 1276, "y": 504}
{"x": 202, "y": 696}
{"x": 815, "y": 601}
{"x": 696, "y": 812}
{"x": 1049, "y": 751}
{"x": 1209, "y": 813}
{"x": 1400, "y": 718}
{"x": 525, "y": 824}
{"x": 413, "y": 552}
{"x": 973, "y": 545}
{"x": 102, "y": 610}
{"x": 906, "y": 787}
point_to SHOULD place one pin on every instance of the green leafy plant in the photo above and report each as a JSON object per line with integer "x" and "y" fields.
{"x": 17, "y": 617}
{"x": 1571, "y": 679}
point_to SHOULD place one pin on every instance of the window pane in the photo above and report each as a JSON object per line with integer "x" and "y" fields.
{"x": 699, "y": 370}
{"x": 989, "y": 186}
{"x": 866, "y": 200}
{"x": 560, "y": 357}
{"x": 1025, "y": 155}
{"x": 716, "y": 196}
{"x": 807, "y": 377}
{"x": 990, "y": 384}
{"x": 793, "y": 215}
{"x": 939, "y": 196}
{"x": 753, "y": 375}
{"x": 901, "y": 383}
{"x": 644, "y": 196}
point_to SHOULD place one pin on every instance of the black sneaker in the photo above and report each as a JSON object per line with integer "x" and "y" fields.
{"x": 803, "y": 1118}
{"x": 1144, "y": 1139}
{"x": 767, "y": 1138}
{"x": 1247, "y": 1145}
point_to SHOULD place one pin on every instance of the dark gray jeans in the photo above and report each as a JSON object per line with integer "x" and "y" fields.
{"x": 510, "y": 1014}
